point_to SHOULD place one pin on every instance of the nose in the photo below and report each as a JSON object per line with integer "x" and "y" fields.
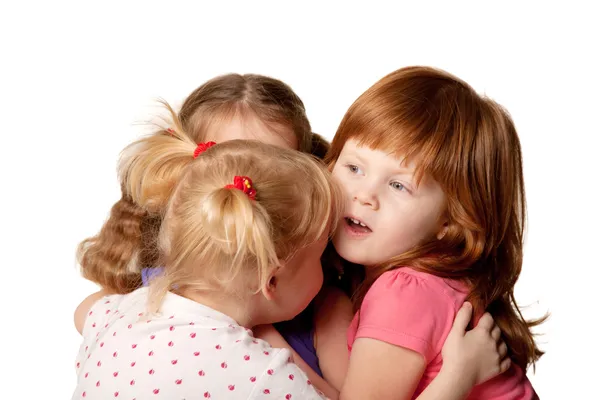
{"x": 366, "y": 196}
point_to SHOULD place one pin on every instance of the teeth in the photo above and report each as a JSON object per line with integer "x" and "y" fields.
{"x": 357, "y": 222}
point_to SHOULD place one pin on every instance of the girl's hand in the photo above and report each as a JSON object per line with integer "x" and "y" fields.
{"x": 477, "y": 355}
{"x": 269, "y": 334}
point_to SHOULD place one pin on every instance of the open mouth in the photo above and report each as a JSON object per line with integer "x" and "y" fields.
{"x": 357, "y": 226}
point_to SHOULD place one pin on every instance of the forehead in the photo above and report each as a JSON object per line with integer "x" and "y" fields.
{"x": 309, "y": 253}
{"x": 368, "y": 154}
{"x": 251, "y": 128}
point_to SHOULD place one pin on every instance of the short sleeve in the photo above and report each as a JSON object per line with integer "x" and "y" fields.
{"x": 284, "y": 380}
{"x": 407, "y": 310}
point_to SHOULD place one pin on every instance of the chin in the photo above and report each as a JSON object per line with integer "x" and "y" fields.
{"x": 351, "y": 255}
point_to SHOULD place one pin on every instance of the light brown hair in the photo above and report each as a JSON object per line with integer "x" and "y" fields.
{"x": 469, "y": 145}
{"x": 128, "y": 240}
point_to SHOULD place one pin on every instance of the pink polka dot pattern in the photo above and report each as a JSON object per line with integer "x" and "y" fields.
{"x": 188, "y": 351}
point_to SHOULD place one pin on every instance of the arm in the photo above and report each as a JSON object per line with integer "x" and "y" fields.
{"x": 405, "y": 319}
{"x": 284, "y": 380}
{"x": 81, "y": 312}
{"x": 269, "y": 334}
{"x": 379, "y": 370}
{"x": 400, "y": 324}
{"x": 333, "y": 317}
{"x": 469, "y": 359}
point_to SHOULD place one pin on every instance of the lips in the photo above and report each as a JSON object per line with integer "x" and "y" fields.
{"x": 356, "y": 226}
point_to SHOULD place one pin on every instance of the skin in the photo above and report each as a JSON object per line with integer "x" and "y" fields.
{"x": 252, "y": 128}
{"x": 280, "y": 297}
{"x": 382, "y": 194}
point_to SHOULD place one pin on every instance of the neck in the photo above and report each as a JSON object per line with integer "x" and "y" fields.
{"x": 237, "y": 308}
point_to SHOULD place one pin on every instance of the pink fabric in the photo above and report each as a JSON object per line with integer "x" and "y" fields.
{"x": 416, "y": 310}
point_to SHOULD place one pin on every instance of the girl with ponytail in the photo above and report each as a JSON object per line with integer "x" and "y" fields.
{"x": 236, "y": 253}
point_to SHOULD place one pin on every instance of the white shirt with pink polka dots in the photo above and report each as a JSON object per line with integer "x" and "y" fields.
{"x": 188, "y": 352}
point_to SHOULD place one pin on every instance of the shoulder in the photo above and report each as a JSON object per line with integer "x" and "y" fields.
{"x": 269, "y": 372}
{"x": 409, "y": 309}
{"x": 406, "y": 284}
{"x": 277, "y": 376}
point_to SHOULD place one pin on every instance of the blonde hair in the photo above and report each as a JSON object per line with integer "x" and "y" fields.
{"x": 211, "y": 235}
{"x": 128, "y": 240}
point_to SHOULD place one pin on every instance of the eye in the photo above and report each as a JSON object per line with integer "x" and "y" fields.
{"x": 353, "y": 168}
{"x": 398, "y": 186}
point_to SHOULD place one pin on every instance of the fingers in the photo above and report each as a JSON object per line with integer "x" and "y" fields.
{"x": 502, "y": 350}
{"x": 462, "y": 318}
{"x": 496, "y": 333}
{"x": 486, "y": 322}
{"x": 505, "y": 365}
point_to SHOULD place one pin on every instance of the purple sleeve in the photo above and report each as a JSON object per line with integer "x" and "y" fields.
{"x": 299, "y": 333}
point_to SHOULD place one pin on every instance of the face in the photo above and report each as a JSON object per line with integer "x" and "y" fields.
{"x": 299, "y": 280}
{"x": 386, "y": 213}
{"x": 252, "y": 129}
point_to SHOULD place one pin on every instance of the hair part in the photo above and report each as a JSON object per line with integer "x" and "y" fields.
{"x": 225, "y": 97}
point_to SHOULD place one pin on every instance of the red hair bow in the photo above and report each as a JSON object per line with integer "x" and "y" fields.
{"x": 202, "y": 147}
{"x": 244, "y": 184}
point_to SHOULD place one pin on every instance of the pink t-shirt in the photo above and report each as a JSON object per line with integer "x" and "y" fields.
{"x": 416, "y": 310}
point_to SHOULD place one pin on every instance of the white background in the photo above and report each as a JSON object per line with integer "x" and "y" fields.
{"x": 77, "y": 79}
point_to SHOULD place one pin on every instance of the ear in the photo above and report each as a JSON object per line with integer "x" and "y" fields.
{"x": 443, "y": 230}
{"x": 270, "y": 287}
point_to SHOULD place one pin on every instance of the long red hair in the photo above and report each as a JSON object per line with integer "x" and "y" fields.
{"x": 469, "y": 145}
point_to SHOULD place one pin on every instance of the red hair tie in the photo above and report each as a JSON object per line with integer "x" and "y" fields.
{"x": 202, "y": 147}
{"x": 244, "y": 184}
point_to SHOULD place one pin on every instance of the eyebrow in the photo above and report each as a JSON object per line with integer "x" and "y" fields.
{"x": 354, "y": 153}
{"x": 398, "y": 170}
{"x": 404, "y": 169}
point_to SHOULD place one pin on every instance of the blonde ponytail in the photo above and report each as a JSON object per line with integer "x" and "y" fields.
{"x": 148, "y": 170}
{"x": 244, "y": 228}
{"x": 151, "y": 167}
{"x": 217, "y": 238}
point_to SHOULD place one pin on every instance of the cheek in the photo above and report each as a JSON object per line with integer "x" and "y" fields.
{"x": 314, "y": 273}
{"x": 337, "y": 171}
{"x": 401, "y": 241}
{"x": 344, "y": 184}
{"x": 314, "y": 280}
{"x": 405, "y": 233}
